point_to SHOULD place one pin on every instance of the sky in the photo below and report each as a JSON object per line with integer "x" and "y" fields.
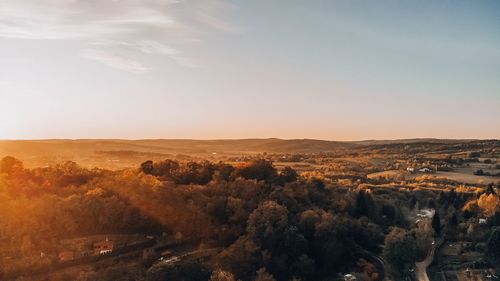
{"x": 213, "y": 69}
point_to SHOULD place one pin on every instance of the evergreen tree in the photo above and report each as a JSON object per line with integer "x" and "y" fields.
{"x": 361, "y": 206}
{"x": 436, "y": 224}
{"x": 453, "y": 222}
{"x": 413, "y": 202}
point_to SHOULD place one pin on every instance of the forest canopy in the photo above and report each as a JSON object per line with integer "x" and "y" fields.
{"x": 270, "y": 224}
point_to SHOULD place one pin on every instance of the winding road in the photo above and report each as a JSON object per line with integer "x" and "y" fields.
{"x": 421, "y": 267}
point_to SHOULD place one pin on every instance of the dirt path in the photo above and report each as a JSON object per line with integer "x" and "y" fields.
{"x": 421, "y": 267}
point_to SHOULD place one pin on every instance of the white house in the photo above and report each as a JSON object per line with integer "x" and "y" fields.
{"x": 349, "y": 277}
{"x": 426, "y": 213}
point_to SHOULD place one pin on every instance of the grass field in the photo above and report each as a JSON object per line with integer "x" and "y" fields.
{"x": 469, "y": 178}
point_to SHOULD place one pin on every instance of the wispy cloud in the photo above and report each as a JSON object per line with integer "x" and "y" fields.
{"x": 148, "y": 47}
{"x": 114, "y": 60}
{"x": 208, "y": 14}
{"x": 113, "y": 32}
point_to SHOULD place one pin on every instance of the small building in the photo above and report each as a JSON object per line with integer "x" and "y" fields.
{"x": 483, "y": 221}
{"x": 468, "y": 273}
{"x": 349, "y": 277}
{"x": 66, "y": 256}
{"x": 426, "y": 213}
{"x": 410, "y": 169}
{"x": 425, "y": 170}
{"x": 103, "y": 247}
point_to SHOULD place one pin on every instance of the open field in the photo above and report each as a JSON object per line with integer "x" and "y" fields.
{"x": 128, "y": 153}
{"x": 467, "y": 177}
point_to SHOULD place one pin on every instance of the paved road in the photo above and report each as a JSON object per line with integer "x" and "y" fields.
{"x": 184, "y": 255}
{"x": 421, "y": 267}
{"x": 382, "y": 264}
{"x": 386, "y": 275}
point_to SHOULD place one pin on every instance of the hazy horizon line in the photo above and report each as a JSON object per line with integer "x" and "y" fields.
{"x": 251, "y": 138}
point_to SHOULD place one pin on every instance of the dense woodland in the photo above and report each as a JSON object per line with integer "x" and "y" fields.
{"x": 269, "y": 224}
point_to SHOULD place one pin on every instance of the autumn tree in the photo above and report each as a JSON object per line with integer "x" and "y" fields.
{"x": 263, "y": 275}
{"x": 400, "y": 248}
{"x": 220, "y": 275}
{"x": 267, "y": 223}
{"x": 494, "y": 243}
{"x": 364, "y": 204}
{"x": 288, "y": 174}
{"x": 11, "y": 166}
{"x": 489, "y": 203}
{"x": 147, "y": 167}
{"x": 257, "y": 170}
